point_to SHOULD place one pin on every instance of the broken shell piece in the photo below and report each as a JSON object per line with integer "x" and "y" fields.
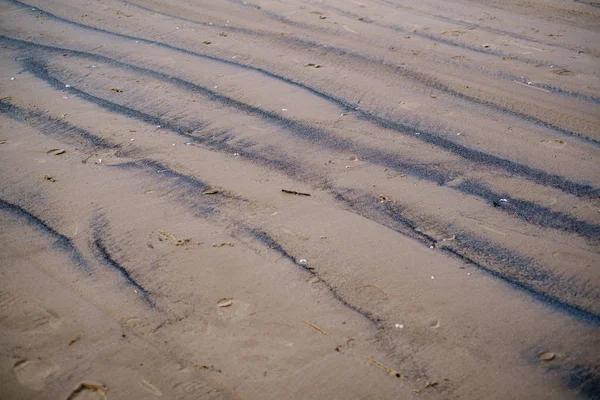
{"x": 211, "y": 190}
{"x": 56, "y": 152}
{"x": 302, "y": 261}
{"x": 225, "y": 302}
{"x": 547, "y": 356}
{"x": 399, "y": 326}
{"x": 146, "y": 384}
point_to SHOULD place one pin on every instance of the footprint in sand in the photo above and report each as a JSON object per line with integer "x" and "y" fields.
{"x": 34, "y": 374}
{"x": 235, "y": 311}
{"x": 371, "y": 294}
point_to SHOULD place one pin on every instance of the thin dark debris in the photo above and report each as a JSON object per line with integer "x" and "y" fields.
{"x": 294, "y": 192}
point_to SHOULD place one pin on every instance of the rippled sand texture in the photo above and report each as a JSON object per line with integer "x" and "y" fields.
{"x": 438, "y": 236}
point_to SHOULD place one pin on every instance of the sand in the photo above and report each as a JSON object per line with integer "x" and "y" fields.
{"x": 299, "y": 199}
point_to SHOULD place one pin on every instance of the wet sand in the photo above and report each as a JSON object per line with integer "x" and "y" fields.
{"x": 299, "y": 199}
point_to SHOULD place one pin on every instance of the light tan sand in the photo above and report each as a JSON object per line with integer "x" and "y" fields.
{"x": 448, "y": 248}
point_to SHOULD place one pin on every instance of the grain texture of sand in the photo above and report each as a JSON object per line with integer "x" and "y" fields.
{"x": 299, "y": 199}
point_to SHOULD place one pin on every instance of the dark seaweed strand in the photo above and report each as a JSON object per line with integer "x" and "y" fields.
{"x": 204, "y": 24}
{"x": 387, "y": 160}
{"x": 536, "y": 175}
{"x": 184, "y": 51}
{"x": 551, "y": 301}
{"x": 53, "y": 127}
{"x": 465, "y": 244}
{"x": 434, "y": 84}
{"x": 435, "y": 38}
{"x": 528, "y": 211}
{"x": 361, "y": 204}
{"x": 39, "y": 70}
{"x": 106, "y": 259}
{"x": 267, "y": 240}
{"x": 219, "y": 141}
{"x": 61, "y": 242}
{"x": 340, "y": 103}
{"x": 496, "y": 31}
{"x": 500, "y": 74}
{"x": 299, "y": 129}
{"x": 344, "y": 105}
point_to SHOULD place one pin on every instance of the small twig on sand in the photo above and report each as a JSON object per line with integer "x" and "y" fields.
{"x": 316, "y": 328}
{"x": 387, "y": 370}
{"x": 294, "y": 192}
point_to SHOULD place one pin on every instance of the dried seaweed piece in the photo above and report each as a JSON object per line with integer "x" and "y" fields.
{"x": 228, "y": 244}
{"x": 116, "y": 90}
{"x": 75, "y": 339}
{"x": 48, "y": 178}
{"x": 91, "y": 386}
{"x": 312, "y": 65}
{"x": 182, "y": 242}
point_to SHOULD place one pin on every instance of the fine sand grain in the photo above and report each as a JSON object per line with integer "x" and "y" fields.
{"x": 299, "y": 199}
